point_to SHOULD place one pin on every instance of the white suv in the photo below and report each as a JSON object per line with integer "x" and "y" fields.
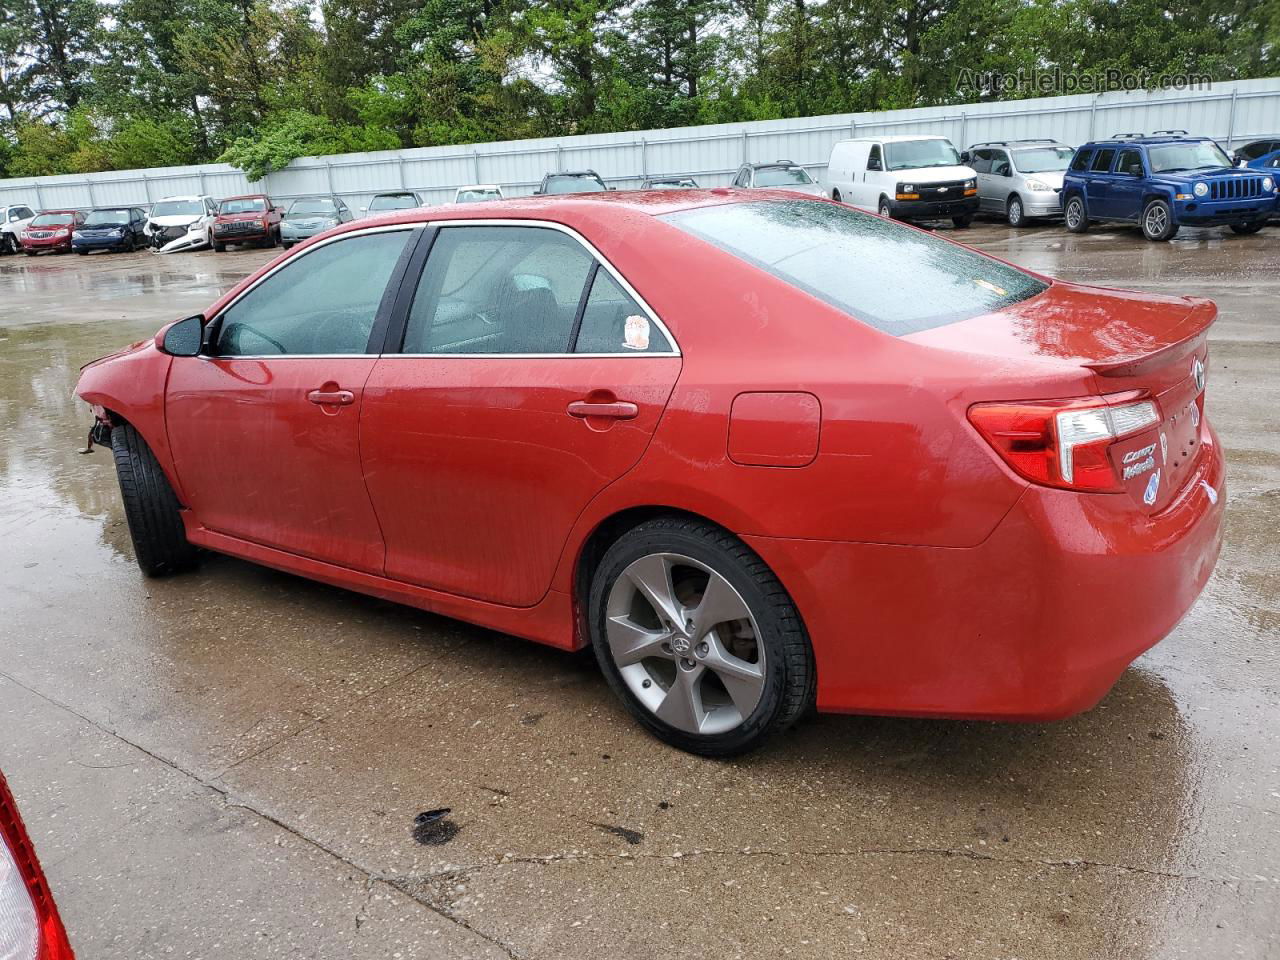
{"x": 13, "y": 220}
{"x": 181, "y": 223}
{"x": 911, "y": 177}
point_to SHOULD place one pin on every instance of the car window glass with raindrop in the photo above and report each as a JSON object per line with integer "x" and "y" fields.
{"x": 861, "y": 264}
{"x": 322, "y": 302}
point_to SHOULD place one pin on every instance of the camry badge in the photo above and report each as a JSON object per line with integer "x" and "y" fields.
{"x": 1164, "y": 449}
{"x": 1197, "y": 372}
{"x": 1153, "y": 487}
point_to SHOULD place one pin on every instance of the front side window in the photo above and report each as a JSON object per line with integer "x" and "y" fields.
{"x": 500, "y": 290}
{"x": 782, "y": 176}
{"x": 242, "y": 205}
{"x": 1130, "y": 163}
{"x": 1081, "y": 161}
{"x": 612, "y": 322}
{"x": 323, "y": 302}
{"x": 1042, "y": 159}
{"x": 914, "y": 154}
{"x": 861, "y": 264}
{"x": 873, "y": 158}
{"x": 1000, "y": 164}
{"x": 1181, "y": 157}
{"x": 1252, "y": 151}
{"x": 1102, "y": 161}
{"x": 981, "y": 161}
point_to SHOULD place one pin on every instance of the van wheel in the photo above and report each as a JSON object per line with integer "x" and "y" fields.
{"x": 1157, "y": 221}
{"x": 698, "y": 638}
{"x": 886, "y": 210}
{"x": 962, "y": 223}
{"x": 1014, "y": 213}
{"x": 155, "y": 525}
{"x": 1074, "y": 215}
{"x": 835, "y": 195}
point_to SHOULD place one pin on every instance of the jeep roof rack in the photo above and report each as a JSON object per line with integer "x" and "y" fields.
{"x": 1172, "y": 133}
{"x": 1127, "y": 136}
{"x": 1008, "y": 143}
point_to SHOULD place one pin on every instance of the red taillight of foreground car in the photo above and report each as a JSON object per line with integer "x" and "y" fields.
{"x": 30, "y": 928}
{"x": 1064, "y": 443}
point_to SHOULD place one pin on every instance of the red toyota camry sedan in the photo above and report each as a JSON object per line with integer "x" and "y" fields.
{"x": 760, "y": 451}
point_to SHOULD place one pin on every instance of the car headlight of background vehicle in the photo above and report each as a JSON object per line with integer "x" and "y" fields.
{"x": 971, "y": 184}
{"x": 1200, "y": 189}
{"x": 1038, "y": 186}
{"x": 1267, "y": 183}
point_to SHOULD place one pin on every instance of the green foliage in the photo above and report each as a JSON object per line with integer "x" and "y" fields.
{"x": 112, "y": 84}
{"x": 296, "y": 134}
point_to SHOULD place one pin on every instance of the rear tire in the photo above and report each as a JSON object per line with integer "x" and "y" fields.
{"x": 750, "y": 633}
{"x": 1157, "y": 221}
{"x": 1075, "y": 216}
{"x": 962, "y": 223}
{"x": 1244, "y": 229}
{"x": 159, "y": 539}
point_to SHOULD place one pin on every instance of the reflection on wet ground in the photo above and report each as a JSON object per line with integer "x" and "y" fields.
{"x": 239, "y": 763}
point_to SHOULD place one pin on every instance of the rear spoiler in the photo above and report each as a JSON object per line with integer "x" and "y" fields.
{"x": 1194, "y": 330}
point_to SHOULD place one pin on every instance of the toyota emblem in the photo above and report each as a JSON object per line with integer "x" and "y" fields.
{"x": 1197, "y": 373}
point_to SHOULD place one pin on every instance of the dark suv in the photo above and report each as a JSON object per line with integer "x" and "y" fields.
{"x": 1162, "y": 182}
{"x": 573, "y": 181}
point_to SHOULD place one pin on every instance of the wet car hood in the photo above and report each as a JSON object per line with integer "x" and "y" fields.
{"x": 122, "y": 352}
{"x": 1191, "y": 176}
{"x": 1095, "y": 327}
{"x": 928, "y": 175}
{"x": 237, "y": 217}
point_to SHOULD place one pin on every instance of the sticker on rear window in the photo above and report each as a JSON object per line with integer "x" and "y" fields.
{"x": 636, "y": 336}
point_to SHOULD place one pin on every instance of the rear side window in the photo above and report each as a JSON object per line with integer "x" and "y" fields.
{"x": 1102, "y": 161}
{"x": 1081, "y": 161}
{"x": 498, "y": 290}
{"x": 897, "y": 280}
{"x": 612, "y": 322}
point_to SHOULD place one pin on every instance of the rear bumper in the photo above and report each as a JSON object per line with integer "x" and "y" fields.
{"x": 935, "y": 209}
{"x": 1036, "y": 623}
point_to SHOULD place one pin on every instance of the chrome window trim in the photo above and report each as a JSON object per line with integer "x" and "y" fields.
{"x": 599, "y": 257}
{"x": 443, "y": 224}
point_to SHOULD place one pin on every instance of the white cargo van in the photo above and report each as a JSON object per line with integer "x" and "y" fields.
{"x": 911, "y": 177}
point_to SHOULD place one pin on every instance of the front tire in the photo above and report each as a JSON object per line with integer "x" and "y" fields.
{"x": 1157, "y": 221}
{"x": 835, "y": 195}
{"x": 219, "y": 248}
{"x": 1075, "y": 216}
{"x": 698, "y": 638}
{"x": 159, "y": 539}
{"x": 1014, "y": 212}
{"x": 886, "y": 210}
{"x": 962, "y": 223}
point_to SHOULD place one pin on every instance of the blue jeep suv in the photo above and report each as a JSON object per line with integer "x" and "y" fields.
{"x": 1161, "y": 182}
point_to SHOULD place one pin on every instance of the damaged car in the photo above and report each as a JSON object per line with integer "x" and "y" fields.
{"x": 181, "y": 223}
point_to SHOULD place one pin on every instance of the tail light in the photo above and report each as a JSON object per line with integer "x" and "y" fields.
{"x": 30, "y": 928}
{"x": 1064, "y": 443}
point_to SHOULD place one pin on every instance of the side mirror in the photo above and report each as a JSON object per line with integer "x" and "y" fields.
{"x": 182, "y": 339}
{"x": 964, "y": 157}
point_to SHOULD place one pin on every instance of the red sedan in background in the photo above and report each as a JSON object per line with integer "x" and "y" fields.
{"x": 30, "y": 928}
{"x": 50, "y": 232}
{"x": 760, "y": 451}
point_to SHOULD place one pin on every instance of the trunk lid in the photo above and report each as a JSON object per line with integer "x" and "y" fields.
{"x": 1140, "y": 346}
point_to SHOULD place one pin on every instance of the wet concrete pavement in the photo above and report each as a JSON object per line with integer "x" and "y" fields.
{"x": 230, "y": 764}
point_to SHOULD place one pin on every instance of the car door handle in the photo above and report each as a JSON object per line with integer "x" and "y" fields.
{"x": 335, "y": 398}
{"x": 616, "y": 409}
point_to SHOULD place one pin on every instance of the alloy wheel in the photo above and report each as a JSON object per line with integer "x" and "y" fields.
{"x": 685, "y": 643}
{"x": 1074, "y": 214}
{"x": 1157, "y": 220}
{"x": 1015, "y": 212}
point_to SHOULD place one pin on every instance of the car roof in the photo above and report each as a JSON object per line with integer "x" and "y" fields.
{"x": 396, "y": 193}
{"x": 895, "y": 138}
{"x": 1144, "y": 141}
{"x": 183, "y": 196}
{"x": 245, "y": 196}
{"x": 480, "y": 186}
{"x": 575, "y": 173}
{"x": 60, "y": 210}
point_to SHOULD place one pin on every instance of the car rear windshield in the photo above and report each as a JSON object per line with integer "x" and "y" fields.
{"x": 914, "y": 154}
{"x": 178, "y": 208}
{"x": 106, "y": 218}
{"x": 317, "y": 205}
{"x": 397, "y": 201}
{"x": 52, "y": 219}
{"x": 243, "y": 205}
{"x": 574, "y": 185}
{"x": 1179, "y": 157}
{"x": 474, "y": 196}
{"x": 782, "y": 176}
{"x": 894, "y": 278}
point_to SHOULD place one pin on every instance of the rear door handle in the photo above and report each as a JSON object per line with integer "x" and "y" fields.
{"x": 335, "y": 398}
{"x": 616, "y": 409}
